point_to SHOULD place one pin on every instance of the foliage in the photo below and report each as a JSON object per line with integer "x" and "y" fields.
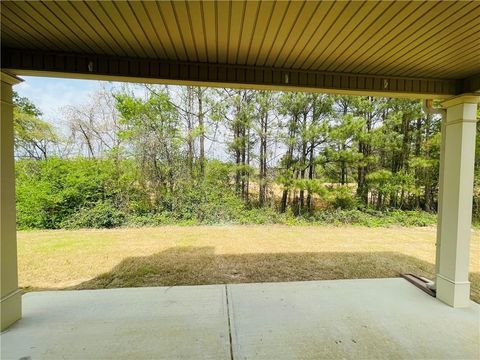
{"x": 289, "y": 158}
{"x": 343, "y": 198}
{"x": 33, "y": 136}
{"x": 77, "y": 193}
{"x": 375, "y": 218}
{"x": 51, "y": 192}
{"x": 101, "y": 215}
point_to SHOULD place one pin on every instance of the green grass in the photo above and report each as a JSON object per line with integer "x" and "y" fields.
{"x": 177, "y": 255}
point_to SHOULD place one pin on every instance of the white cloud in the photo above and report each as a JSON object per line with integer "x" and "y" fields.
{"x": 52, "y": 94}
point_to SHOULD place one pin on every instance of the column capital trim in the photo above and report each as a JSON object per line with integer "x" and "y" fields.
{"x": 10, "y": 78}
{"x": 471, "y": 98}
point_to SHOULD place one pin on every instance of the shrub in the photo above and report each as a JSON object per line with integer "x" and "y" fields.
{"x": 343, "y": 198}
{"x": 374, "y": 218}
{"x": 102, "y": 215}
{"x": 76, "y": 193}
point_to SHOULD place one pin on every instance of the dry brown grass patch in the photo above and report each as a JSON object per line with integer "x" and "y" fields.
{"x": 174, "y": 255}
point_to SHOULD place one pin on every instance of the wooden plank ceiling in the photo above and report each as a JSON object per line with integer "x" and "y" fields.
{"x": 411, "y": 39}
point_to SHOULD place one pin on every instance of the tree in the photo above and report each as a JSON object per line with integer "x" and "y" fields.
{"x": 33, "y": 136}
{"x": 149, "y": 151}
{"x": 295, "y": 107}
{"x": 265, "y": 103}
{"x": 315, "y": 133}
{"x": 94, "y": 126}
{"x": 152, "y": 129}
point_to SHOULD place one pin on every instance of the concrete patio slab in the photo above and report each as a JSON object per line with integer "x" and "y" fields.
{"x": 188, "y": 322}
{"x": 351, "y": 319}
{"x": 348, "y": 319}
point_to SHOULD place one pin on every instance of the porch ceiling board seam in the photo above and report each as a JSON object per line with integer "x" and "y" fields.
{"x": 428, "y": 52}
{"x": 334, "y": 19}
{"x": 259, "y": 36}
{"x": 469, "y": 54}
{"x": 26, "y": 26}
{"x": 358, "y": 19}
{"x": 142, "y": 19}
{"x": 92, "y": 19}
{"x": 58, "y": 28}
{"x": 467, "y": 62}
{"x": 380, "y": 20}
{"x": 10, "y": 32}
{"x": 445, "y": 52}
{"x": 383, "y": 36}
{"x": 153, "y": 32}
{"x": 84, "y": 28}
{"x": 102, "y": 11}
{"x": 304, "y": 38}
{"x": 262, "y": 58}
{"x": 289, "y": 34}
{"x": 398, "y": 52}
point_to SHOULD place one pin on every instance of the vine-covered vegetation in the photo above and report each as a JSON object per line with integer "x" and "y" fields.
{"x": 149, "y": 155}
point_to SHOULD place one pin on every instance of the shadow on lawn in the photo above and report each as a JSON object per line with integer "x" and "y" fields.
{"x": 201, "y": 266}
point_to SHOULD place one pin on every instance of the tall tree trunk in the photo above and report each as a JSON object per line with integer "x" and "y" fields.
{"x": 237, "y": 147}
{"x": 190, "y": 138}
{"x": 428, "y": 190}
{"x": 202, "y": 133}
{"x": 303, "y": 162}
{"x": 261, "y": 174}
{"x": 289, "y": 160}
{"x": 362, "y": 171}
{"x": 243, "y": 160}
{"x": 238, "y": 174}
{"x": 418, "y": 170}
{"x": 247, "y": 168}
{"x": 310, "y": 175}
{"x": 89, "y": 142}
{"x": 283, "y": 203}
{"x": 263, "y": 160}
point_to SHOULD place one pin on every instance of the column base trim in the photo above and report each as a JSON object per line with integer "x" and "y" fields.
{"x": 455, "y": 294}
{"x": 11, "y": 309}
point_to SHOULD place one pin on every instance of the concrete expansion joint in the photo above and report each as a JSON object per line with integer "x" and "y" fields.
{"x": 229, "y": 322}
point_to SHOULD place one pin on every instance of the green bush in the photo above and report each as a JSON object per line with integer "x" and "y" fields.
{"x": 51, "y": 191}
{"x": 102, "y": 215}
{"x": 79, "y": 193}
{"x": 343, "y": 198}
{"x": 375, "y": 218}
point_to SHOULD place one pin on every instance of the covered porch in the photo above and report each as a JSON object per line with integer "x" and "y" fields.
{"x": 424, "y": 50}
{"x": 371, "y": 318}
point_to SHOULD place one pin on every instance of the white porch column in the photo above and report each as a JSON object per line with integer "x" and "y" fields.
{"x": 11, "y": 305}
{"x": 455, "y": 207}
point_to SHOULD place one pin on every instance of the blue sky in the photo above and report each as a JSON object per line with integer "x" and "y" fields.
{"x": 51, "y": 94}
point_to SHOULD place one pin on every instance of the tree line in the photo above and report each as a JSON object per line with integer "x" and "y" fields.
{"x": 193, "y": 153}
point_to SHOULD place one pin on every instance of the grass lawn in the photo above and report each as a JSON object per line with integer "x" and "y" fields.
{"x": 171, "y": 255}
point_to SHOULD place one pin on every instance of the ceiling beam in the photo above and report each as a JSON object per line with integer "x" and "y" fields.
{"x": 30, "y": 62}
{"x": 471, "y": 84}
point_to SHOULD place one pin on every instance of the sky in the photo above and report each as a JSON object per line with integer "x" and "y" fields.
{"x": 50, "y": 95}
